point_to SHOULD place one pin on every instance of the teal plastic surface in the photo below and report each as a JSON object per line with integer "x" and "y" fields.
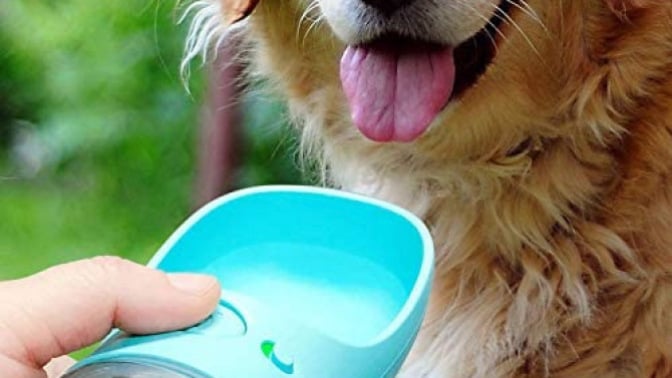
{"x": 317, "y": 283}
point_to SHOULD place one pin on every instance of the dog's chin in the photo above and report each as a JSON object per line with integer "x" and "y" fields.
{"x": 398, "y": 86}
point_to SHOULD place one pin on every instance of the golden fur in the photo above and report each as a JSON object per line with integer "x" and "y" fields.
{"x": 548, "y": 185}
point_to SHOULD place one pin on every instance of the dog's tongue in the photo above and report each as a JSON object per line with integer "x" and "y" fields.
{"x": 395, "y": 93}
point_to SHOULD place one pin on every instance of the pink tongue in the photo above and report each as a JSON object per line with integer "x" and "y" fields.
{"x": 395, "y": 95}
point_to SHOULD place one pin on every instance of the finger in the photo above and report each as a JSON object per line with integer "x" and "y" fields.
{"x": 58, "y": 366}
{"x": 71, "y": 306}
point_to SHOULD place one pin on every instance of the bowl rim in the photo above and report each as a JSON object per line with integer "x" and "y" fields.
{"x": 425, "y": 273}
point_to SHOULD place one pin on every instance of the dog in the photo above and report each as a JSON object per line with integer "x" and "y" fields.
{"x": 534, "y": 137}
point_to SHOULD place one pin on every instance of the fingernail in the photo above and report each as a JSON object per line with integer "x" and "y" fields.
{"x": 194, "y": 284}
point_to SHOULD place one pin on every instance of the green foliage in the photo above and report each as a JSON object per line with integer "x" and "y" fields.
{"x": 98, "y": 134}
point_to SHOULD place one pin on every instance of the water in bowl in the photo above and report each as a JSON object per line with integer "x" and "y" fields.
{"x": 346, "y": 296}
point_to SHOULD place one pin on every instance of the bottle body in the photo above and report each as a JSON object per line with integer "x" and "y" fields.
{"x": 130, "y": 370}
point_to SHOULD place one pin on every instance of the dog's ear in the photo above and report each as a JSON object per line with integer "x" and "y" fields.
{"x": 623, "y": 7}
{"x": 236, "y": 10}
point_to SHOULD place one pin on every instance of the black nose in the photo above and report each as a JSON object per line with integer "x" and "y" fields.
{"x": 387, "y": 6}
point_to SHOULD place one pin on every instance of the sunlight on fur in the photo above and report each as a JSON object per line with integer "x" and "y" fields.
{"x": 547, "y": 181}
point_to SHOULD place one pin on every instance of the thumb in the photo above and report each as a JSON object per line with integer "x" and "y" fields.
{"x": 74, "y": 305}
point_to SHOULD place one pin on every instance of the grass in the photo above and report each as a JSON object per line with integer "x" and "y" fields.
{"x": 49, "y": 224}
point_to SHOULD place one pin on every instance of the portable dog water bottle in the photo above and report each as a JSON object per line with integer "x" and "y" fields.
{"x": 317, "y": 283}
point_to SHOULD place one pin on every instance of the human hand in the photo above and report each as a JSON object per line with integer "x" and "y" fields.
{"x": 62, "y": 309}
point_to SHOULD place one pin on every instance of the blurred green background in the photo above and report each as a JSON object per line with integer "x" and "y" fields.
{"x": 98, "y": 135}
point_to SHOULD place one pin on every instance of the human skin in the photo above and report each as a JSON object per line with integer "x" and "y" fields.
{"x": 64, "y": 308}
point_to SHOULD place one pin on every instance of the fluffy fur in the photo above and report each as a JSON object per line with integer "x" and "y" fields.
{"x": 548, "y": 185}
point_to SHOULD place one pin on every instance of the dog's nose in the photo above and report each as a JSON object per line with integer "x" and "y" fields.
{"x": 387, "y": 6}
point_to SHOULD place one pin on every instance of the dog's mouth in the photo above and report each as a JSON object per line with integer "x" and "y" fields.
{"x": 396, "y": 87}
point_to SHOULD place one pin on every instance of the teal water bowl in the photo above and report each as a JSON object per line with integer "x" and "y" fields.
{"x": 317, "y": 283}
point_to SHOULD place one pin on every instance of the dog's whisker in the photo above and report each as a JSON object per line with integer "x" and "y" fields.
{"x": 312, "y": 6}
{"x": 504, "y": 16}
{"x": 302, "y": 19}
{"x": 492, "y": 39}
{"x": 314, "y": 24}
{"x": 524, "y": 7}
{"x": 489, "y": 22}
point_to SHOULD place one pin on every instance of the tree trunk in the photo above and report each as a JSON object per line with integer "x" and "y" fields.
{"x": 219, "y": 141}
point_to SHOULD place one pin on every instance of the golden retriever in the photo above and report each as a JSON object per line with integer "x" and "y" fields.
{"x": 533, "y": 136}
